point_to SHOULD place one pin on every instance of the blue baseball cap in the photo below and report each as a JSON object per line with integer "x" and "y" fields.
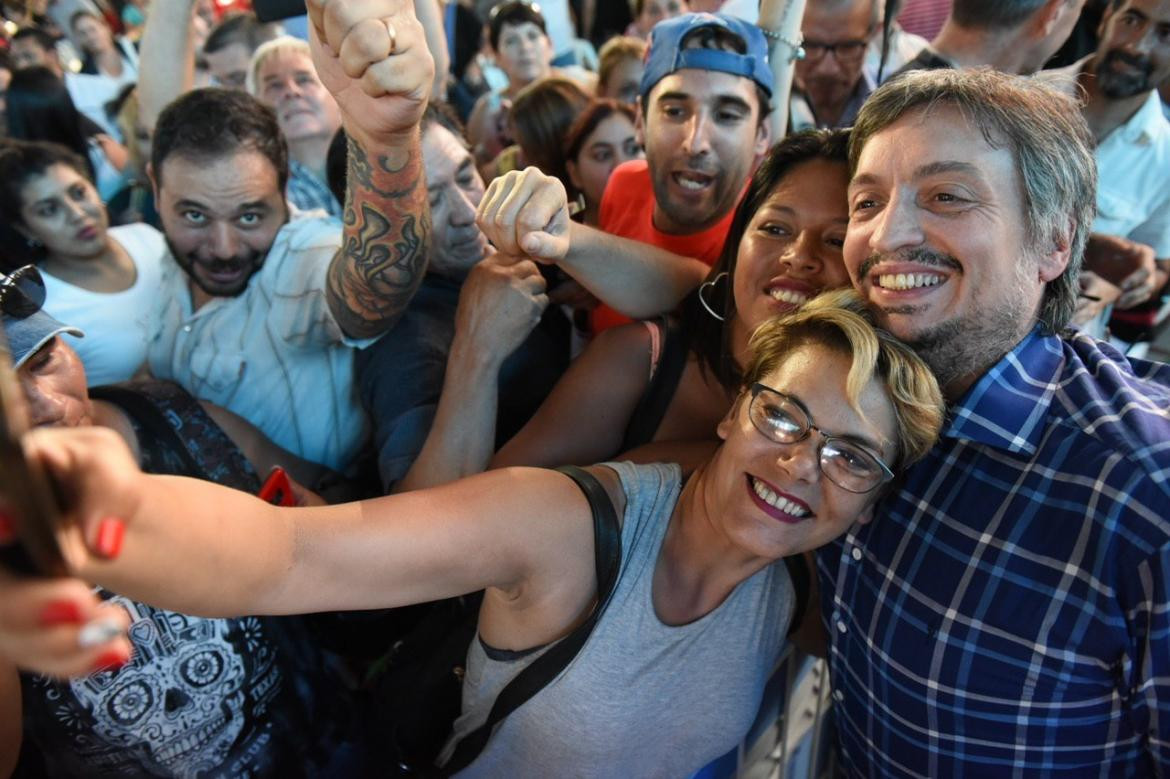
{"x": 26, "y": 326}
{"x": 666, "y": 54}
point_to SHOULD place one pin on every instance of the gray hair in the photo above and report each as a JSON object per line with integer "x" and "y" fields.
{"x": 1047, "y": 136}
{"x": 285, "y": 44}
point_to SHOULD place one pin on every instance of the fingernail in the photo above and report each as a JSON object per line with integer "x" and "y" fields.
{"x": 110, "y": 661}
{"x": 109, "y": 537}
{"x": 7, "y": 528}
{"x": 97, "y": 632}
{"x": 60, "y": 612}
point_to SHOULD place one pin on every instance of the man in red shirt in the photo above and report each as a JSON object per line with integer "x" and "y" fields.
{"x": 702, "y": 119}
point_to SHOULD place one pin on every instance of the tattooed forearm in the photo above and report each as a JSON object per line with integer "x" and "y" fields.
{"x": 387, "y": 233}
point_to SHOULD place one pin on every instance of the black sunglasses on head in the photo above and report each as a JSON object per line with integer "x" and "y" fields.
{"x": 22, "y": 292}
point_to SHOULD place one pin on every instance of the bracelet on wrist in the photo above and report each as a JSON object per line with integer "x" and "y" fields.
{"x": 796, "y": 47}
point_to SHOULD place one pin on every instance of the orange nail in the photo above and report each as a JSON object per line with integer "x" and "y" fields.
{"x": 109, "y": 537}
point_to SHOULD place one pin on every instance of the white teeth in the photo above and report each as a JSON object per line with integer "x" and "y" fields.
{"x": 788, "y": 296}
{"x": 687, "y": 182}
{"x": 908, "y": 280}
{"x": 777, "y": 501}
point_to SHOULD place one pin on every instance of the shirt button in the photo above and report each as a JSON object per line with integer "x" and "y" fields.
{"x": 838, "y": 696}
{"x": 841, "y": 625}
{"x": 186, "y": 328}
{"x": 856, "y": 553}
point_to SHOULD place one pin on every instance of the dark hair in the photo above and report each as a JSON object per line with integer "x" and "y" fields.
{"x": 214, "y": 122}
{"x": 515, "y": 12}
{"x": 541, "y": 115}
{"x": 40, "y": 109}
{"x": 85, "y": 13}
{"x": 42, "y": 38}
{"x": 21, "y": 161}
{"x": 993, "y": 14}
{"x": 587, "y": 121}
{"x": 337, "y": 158}
{"x": 708, "y": 337}
{"x": 235, "y": 28}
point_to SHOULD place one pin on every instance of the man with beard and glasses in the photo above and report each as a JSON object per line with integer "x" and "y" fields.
{"x": 703, "y": 120}
{"x": 1007, "y": 610}
{"x": 1119, "y": 83}
{"x": 260, "y": 313}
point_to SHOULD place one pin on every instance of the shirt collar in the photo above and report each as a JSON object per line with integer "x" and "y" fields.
{"x": 1139, "y": 129}
{"x": 1007, "y": 406}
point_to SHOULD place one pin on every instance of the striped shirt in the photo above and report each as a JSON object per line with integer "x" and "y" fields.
{"x": 1006, "y": 611}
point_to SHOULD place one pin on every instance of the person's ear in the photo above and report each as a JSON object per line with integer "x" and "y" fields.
{"x": 571, "y": 169}
{"x": 639, "y": 123}
{"x": 763, "y": 136}
{"x": 727, "y": 424}
{"x": 153, "y": 179}
{"x": 1054, "y": 262}
{"x": 1049, "y": 16}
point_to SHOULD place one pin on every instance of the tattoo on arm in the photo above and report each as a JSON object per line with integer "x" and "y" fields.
{"x": 384, "y": 250}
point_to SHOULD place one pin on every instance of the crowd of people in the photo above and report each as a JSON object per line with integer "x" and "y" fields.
{"x": 620, "y": 347}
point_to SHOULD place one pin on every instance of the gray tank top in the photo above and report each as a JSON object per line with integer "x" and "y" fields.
{"x": 642, "y": 698}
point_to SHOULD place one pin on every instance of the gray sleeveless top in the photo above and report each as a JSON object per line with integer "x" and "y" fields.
{"x": 642, "y": 698}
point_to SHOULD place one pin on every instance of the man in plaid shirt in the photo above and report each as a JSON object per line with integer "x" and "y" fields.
{"x": 1006, "y": 614}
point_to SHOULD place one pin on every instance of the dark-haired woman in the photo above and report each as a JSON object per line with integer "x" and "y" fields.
{"x": 601, "y": 138}
{"x": 101, "y": 279}
{"x": 40, "y": 109}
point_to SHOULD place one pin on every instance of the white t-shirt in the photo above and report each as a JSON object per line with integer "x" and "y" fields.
{"x": 117, "y": 325}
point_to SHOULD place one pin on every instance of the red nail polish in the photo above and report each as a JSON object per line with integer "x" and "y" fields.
{"x": 60, "y": 612}
{"x": 110, "y": 661}
{"x": 7, "y": 528}
{"x": 109, "y": 537}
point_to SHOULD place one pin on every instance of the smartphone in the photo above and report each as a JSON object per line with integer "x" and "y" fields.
{"x": 26, "y": 493}
{"x": 277, "y": 489}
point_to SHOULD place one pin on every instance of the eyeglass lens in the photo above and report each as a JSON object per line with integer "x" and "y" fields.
{"x": 846, "y": 464}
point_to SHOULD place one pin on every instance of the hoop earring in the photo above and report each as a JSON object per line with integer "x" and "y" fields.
{"x": 703, "y": 300}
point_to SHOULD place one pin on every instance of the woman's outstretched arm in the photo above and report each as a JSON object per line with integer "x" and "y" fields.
{"x": 199, "y": 548}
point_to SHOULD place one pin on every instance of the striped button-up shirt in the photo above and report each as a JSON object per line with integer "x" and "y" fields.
{"x": 1005, "y": 614}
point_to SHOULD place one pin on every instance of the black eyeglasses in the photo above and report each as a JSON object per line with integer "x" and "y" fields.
{"x": 848, "y": 464}
{"x": 846, "y": 52}
{"x": 22, "y": 292}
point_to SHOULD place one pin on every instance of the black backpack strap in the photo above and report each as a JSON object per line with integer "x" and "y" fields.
{"x": 801, "y": 578}
{"x": 607, "y": 543}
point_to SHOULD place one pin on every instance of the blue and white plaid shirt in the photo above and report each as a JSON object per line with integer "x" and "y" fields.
{"x": 1006, "y": 612}
{"x": 309, "y": 193}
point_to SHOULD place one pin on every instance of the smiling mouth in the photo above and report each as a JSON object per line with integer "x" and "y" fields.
{"x": 691, "y": 181}
{"x": 904, "y": 281}
{"x": 790, "y": 296}
{"x": 776, "y": 505}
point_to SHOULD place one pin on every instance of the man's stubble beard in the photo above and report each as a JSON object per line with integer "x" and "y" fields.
{"x": 968, "y": 346}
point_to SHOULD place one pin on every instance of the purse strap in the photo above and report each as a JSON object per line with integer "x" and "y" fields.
{"x": 607, "y": 545}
